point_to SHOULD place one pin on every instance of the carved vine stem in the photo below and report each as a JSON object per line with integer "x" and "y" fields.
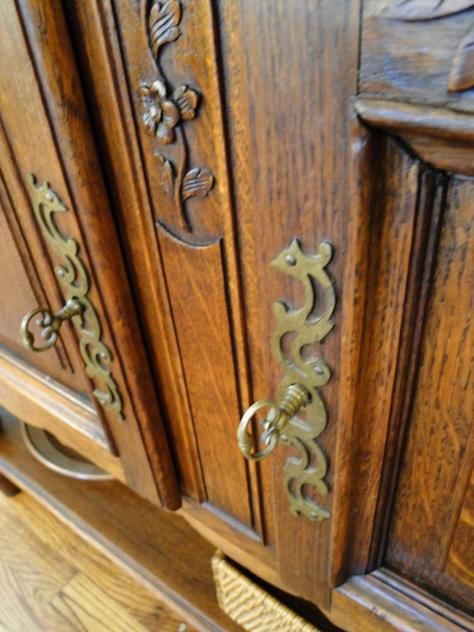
{"x": 165, "y": 111}
{"x": 179, "y": 177}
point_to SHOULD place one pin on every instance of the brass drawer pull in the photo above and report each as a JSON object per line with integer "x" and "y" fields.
{"x": 274, "y": 422}
{"x": 301, "y": 415}
{"x": 50, "y": 324}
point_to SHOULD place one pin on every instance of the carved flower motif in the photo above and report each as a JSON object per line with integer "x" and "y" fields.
{"x": 163, "y": 113}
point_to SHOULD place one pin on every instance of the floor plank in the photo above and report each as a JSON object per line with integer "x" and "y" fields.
{"x": 52, "y": 580}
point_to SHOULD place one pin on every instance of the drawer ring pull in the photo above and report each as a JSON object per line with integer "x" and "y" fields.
{"x": 273, "y": 424}
{"x": 49, "y": 323}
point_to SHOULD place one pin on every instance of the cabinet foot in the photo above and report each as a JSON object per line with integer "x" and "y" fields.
{"x": 7, "y": 488}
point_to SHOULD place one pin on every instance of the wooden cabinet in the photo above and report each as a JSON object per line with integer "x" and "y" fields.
{"x": 59, "y": 241}
{"x": 216, "y": 158}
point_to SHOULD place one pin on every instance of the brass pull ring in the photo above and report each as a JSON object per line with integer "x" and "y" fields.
{"x": 49, "y": 323}
{"x": 245, "y": 440}
{"x": 296, "y": 397}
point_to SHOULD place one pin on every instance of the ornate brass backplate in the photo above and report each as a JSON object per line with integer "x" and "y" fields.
{"x": 78, "y": 308}
{"x": 310, "y": 468}
{"x": 299, "y": 389}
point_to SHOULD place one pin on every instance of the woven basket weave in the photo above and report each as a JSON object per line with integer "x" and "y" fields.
{"x": 249, "y": 605}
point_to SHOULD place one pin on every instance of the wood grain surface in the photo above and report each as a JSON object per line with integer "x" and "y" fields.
{"x": 157, "y": 548}
{"x": 433, "y": 494}
{"x": 418, "y": 51}
{"x": 50, "y": 137}
{"x": 51, "y": 579}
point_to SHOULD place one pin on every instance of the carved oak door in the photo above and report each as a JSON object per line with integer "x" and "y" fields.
{"x": 225, "y": 156}
{"x": 246, "y": 172}
{"x": 61, "y": 262}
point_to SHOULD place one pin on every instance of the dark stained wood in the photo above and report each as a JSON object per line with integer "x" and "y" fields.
{"x": 460, "y": 560}
{"x": 35, "y": 398}
{"x": 18, "y": 271}
{"x": 63, "y": 363}
{"x": 195, "y": 418}
{"x": 213, "y": 397}
{"x": 287, "y": 71}
{"x": 221, "y": 132}
{"x": 438, "y": 136}
{"x": 437, "y": 461}
{"x": 384, "y": 235}
{"x": 415, "y": 51}
{"x": 369, "y": 604}
{"x": 406, "y": 118}
{"x": 191, "y": 59}
{"x": 143, "y": 448}
{"x": 7, "y": 488}
{"x": 95, "y": 32}
{"x": 63, "y": 153}
{"x": 432, "y": 195}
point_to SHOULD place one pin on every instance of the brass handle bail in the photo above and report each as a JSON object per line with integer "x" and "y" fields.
{"x": 49, "y": 323}
{"x": 296, "y": 397}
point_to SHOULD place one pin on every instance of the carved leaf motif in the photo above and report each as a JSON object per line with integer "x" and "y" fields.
{"x": 167, "y": 176}
{"x": 423, "y": 9}
{"x": 186, "y": 100}
{"x": 163, "y": 23}
{"x": 461, "y": 76}
{"x": 197, "y": 183}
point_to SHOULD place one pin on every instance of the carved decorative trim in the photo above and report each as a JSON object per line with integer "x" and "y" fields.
{"x": 251, "y": 606}
{"x": 423, "y": 9}
{"x": 75, "y": 283}
{"x": 301, "y": 433}
{"x": 165, "y": 111}
{"x": 461, "y": 76}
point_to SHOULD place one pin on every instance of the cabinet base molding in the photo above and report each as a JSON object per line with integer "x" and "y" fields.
{"x": 29, "y": 396}
{"x": 375, "y": 602}
{"x": 7, "y": 488}
{"x": 251, "y": 606}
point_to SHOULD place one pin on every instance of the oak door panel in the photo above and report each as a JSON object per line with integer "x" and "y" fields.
{"x": 189, "y": 299}
{"x": 279, "y": 171}
{"x": 48, "y": 134}
{"x": 184, "y": 167}
{"x": 28, "y": 278}
{"x": 429, "y": 534}
{"x": 19, "y": 296}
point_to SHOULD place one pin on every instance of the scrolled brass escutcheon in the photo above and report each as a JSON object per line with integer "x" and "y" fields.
{"x": 299, "y": 389}
{"x": 49, "y": 323}
{"x": 75, "y": 283}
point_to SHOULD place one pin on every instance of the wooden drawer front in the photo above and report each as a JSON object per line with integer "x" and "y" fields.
{"x": 46, "y": 138}
{"x": 419, "y": 51}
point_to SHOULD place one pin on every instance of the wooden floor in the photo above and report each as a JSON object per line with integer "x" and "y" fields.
{"x": 51, "y": 579}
